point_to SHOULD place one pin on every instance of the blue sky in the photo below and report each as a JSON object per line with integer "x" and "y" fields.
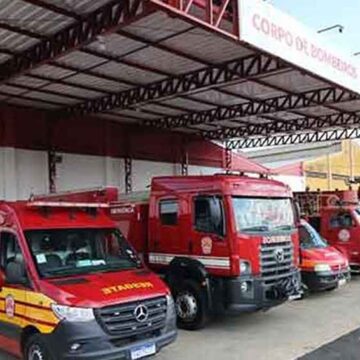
{"x": 319, "y": 14}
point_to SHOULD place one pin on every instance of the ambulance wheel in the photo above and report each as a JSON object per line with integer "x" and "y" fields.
{"x": 191, "y": 306}
{"x": 36, "y": 349}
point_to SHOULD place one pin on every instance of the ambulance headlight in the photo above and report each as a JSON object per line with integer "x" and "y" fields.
{"x": 73, "y": 314}
{"x": 322, "y": 268}
{"x": 170, "y": 324}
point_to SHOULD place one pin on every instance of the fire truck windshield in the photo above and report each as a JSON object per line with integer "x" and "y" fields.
{"x": 263, "y": 214}
{"x": 310, "y": 238}
{"x": 62, "y": 252}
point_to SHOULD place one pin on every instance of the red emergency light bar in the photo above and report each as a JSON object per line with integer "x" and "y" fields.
{"x": 66, "y": 204}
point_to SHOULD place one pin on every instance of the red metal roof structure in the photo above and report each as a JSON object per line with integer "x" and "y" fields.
{"x": 294, "y": 169}
{"x": 210, "y": 154}
{"x": 236, "y": 70}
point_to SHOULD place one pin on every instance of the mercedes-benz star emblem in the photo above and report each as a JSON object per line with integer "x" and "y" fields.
{"x": 141, "y": 313}
{"x": 279, "y": 255}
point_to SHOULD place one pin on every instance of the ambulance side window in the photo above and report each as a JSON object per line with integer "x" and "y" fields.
{"x": 12, "y": 259}
{"x": 10, "y": 250}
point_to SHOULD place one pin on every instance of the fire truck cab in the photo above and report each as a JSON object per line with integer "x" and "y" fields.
{"x": 336, "y": 216}
{"x": 71, "y": 287}
{"x": 224, "y": 243}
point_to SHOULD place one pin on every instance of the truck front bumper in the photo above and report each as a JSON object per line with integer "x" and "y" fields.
{"x": 259, "y": 293}
{"x": 92, "y": 343}
{"x": 316, "y": 281}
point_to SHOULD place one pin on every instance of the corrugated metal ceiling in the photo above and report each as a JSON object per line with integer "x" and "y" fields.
{"x": 149, "y": 50}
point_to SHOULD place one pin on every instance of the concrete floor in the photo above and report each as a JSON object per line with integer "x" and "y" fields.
{"x": 283, "y": 333}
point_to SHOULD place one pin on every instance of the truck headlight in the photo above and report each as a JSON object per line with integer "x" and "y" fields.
{"x": 245, "y": 267}
{"x": 322, "y": 268}
{"x": 73, "y": 314}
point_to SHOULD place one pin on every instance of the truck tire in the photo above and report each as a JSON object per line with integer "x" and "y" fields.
{"x": 36, "y": 349}
{"x": 191, "y": 306}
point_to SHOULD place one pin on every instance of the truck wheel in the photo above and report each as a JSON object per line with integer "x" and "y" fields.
{"x": 36, "y": 349}
{"x": 191, "y": 306}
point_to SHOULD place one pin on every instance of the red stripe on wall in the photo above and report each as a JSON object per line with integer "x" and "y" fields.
{"x": 33, "y": 130}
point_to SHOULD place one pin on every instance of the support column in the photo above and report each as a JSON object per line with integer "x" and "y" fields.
{"x": 351, "y": 156}
{"x": 53, "y": 160}
{"x": 185, "y": 163}
{"x": 52, "y": 170}
{"x": 128, "y": 174}
{"x": 329, "y": 172}
{"x": 228, "y": 158}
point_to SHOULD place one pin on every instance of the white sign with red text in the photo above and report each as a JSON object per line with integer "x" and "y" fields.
{"x": 275, "y": 32}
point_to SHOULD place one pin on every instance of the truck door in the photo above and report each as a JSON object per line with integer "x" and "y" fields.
{"x": 13, "y": 293}
{"x": 338, "y": 230}
{"x": 167, "y": 238}
{"x": 208, "y": 235}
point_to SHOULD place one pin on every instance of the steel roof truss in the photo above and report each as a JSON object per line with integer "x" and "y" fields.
{"x": 293, "y": 139}
{"x": 108, "y": 17}
{"x": 290, "y": 126}
{"x": 258, "y": 107}
{"x": 209, "y": 77}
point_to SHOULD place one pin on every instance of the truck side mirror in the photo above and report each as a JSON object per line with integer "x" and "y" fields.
{"x": 15, "y": 273}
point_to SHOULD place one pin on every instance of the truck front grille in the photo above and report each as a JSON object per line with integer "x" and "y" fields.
{"x": 276, "y": 261}
{"x": 122, "y": 322}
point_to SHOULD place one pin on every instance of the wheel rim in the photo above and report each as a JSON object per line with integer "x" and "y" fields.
{"x": 35, "y": 353}
{"x": 186, "y": 306}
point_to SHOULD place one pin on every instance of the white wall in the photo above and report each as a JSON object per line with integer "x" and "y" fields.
{"x": 22, "y": 172}
{"x": 81, "y": 171}
{"x": 143, "y": 171}
{"x": 296, "y": 183}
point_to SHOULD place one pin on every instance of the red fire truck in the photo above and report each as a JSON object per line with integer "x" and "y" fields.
{"x": 71, "y": 287}
{"x": 322, "y": 266}
{"x": 224, "y": 243}
{"x": 336, "y": 216}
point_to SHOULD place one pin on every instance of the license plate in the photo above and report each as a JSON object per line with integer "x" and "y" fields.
{"x": 342, "y": 282}
{"x": 142, "y": 351}
{"x": 294, "y": 297}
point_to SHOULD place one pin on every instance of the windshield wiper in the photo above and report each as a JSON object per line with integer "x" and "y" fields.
{"x": 284, "y": 227}
{"x": 260, "y": 228}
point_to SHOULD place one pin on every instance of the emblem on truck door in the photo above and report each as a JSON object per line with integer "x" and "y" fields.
{"x": 344, "y": 235}
{"x": 206, "y": 245}
{"x": 279, "y": 255}
{"x": 141, "y": 313}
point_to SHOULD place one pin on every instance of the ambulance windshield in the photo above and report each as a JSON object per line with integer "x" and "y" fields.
{"x": 310, "y": 238}
{"x": 256, "y": 215}
{"x": 63, "y": 252}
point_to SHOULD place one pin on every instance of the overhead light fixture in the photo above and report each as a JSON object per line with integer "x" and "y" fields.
{"x": 339, "y": 27}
